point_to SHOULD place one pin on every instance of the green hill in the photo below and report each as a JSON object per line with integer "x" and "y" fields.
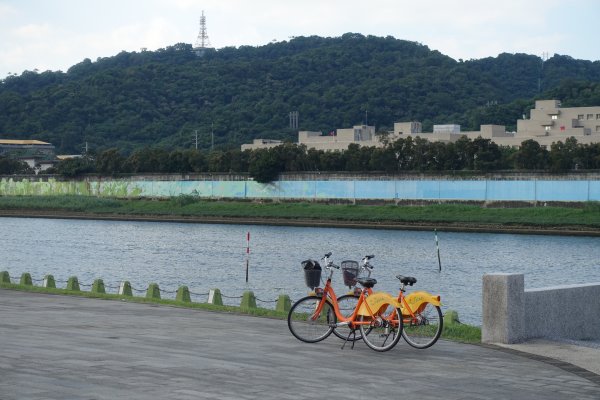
{"x": 160, "y": 98}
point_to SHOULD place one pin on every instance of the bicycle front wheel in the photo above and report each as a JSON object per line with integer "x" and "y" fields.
{"x": 306, "y": 324}
{"x": 346, "y": 304}
{"x": 384, "y": 330}
{"x": 425, "y": 328}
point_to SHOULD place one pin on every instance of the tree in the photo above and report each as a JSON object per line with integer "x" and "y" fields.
{"x": 75, "y": 166}
{"x": 110, "y": 162}
{"x": 531, "y": 156}
{"x": 564, "y": 156}
{"x": 9, "y": 166}
{"x": 265, "y": 165}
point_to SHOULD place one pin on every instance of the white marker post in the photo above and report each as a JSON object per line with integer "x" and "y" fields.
{"x": 438, "y": 250}
{"x": 247, "y": 254}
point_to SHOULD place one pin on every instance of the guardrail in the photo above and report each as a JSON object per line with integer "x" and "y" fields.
{"x": 214, "y": 296}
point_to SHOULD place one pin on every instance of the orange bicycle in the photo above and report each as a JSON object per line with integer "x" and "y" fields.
{"x": 421, "y": 314}
{"x": 313, "y": 318}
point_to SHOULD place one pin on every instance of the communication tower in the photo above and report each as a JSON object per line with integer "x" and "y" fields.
{"x": 202, "y": 42}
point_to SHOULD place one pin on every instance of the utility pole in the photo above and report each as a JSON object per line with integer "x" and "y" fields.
{"x": 196, "y": 138}
{"x": 212, "y": 137}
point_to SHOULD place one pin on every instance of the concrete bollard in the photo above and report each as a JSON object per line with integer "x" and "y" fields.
{"x": 73, "y": 284}
{"x": 153, "y": 291}
{"x": 26, "y": 279}
{"x": 503, "y": 308}
{"x": 49, "y": 282}
{"x": 248, "y": 300}
{"x": 451, "y": 317}
{"x": 183, "y": 294}
{"x": 98, "y": 286}
{"x": 283, "y": 303}
{"x": 125, "y": 289}
{"x": 214, "y": 297}
{"x": 4, "y": 277}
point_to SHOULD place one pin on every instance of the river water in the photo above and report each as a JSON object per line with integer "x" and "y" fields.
{"x": 205, "y": 256}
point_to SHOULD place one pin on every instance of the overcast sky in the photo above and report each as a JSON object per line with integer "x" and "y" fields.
{"x": 56, "y": 34}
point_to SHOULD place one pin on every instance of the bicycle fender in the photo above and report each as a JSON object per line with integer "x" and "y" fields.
{"x": 375, "y": 301}
{"x": 416, "y": 299}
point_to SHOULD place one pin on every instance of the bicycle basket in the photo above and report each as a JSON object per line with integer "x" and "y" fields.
{"x": 350, "y": 272}
{"x": 312, "y": 273}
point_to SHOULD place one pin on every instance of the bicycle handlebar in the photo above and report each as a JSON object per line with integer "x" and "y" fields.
{"x": 365, "y": 262}
{"x": 329, "y": 263}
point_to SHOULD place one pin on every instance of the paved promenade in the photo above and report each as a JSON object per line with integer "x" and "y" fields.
{"x": 61, "y": 347}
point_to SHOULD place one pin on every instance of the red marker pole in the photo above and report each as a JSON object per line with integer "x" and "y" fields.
{"x": 247, "y": 254}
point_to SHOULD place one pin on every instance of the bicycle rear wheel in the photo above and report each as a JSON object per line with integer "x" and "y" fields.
{"x": 425, "y": 329}
{"x": 384, "y": 329}
{"x": 307, "y": 326}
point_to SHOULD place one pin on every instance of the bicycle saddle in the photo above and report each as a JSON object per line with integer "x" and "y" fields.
{"x": 407, "y": 280}
{"x": 367, "y": 282}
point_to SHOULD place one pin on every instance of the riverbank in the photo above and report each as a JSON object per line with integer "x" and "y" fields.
{"x": 577, "y": 221}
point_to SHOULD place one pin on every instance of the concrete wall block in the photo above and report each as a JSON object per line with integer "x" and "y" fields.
{"x": 4, "y": 277}
{"x": 568, "y": 312}
{"x": 248, "y": 300}
{"x": 153, "y": 291}
{"x": 49, "y": 282}
{"x": 214, "y": 297}
{"x": 183, "y": 294}
{"x": 503, "y": 298}
{"x": 98, "y": 286}
{"x": 283, "y": 303}
{"x": 26, "y": 279}
{"x": 125, "y": 289}
{"x": 73, "y": 284}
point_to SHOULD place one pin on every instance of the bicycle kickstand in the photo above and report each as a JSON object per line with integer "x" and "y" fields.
{"x": 353, "y": 333}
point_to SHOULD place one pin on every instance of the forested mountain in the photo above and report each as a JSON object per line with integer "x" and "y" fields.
{"x": 160, "y": 98}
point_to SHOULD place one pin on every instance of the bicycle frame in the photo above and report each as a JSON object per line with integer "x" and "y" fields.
{"x": 362, "y": 306}
{"x": 411, "y": 304}
{"x": 418, "y": 300}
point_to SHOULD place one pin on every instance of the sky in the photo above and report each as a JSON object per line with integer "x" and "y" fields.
{"x": 56, "y": 34}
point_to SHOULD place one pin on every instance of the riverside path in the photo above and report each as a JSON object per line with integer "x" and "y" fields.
{"x": 62, "y": 347}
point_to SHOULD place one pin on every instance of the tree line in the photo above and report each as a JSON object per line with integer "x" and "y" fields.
{"x": 403, "y": 155}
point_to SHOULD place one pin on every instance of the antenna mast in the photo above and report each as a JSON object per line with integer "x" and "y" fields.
{"x": 202, "y": 42}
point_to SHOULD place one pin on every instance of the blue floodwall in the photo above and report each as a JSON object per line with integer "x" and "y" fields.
{"x": 466, "y": 190}
{"x": 391, "y": 190}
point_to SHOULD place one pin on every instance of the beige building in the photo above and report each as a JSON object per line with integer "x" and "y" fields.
{"x": 548, "y": 123}
{"x": 449, "y": 133}
{"x": 261, "y": 144}
{"x": 340, "y": 139}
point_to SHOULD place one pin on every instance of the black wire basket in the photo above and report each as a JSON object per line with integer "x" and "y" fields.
{"x": 312, "y": 273}
{"x": 349, "y": 272}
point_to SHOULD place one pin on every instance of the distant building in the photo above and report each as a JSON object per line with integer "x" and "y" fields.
{"x": 340, "y": 139}
{"x": 548, "y": 123}
{"x": 261, "y": 144}
{"x": 37, "y": 154}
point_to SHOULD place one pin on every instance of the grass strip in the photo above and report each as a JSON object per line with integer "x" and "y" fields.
{"x": 455, "y": 332}
{"x": 585, "y": 216}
